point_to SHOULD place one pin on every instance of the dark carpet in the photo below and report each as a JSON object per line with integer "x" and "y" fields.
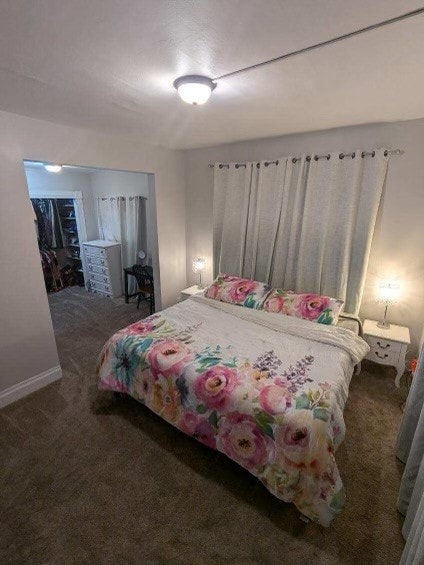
{"x": 89, "y": 479}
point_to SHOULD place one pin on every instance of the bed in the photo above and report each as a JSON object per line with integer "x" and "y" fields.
{"x": 266, "y": 390}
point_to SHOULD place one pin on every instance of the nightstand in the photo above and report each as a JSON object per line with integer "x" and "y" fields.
{"x": 388, "y": 346}
{"x": 190, "y": 291}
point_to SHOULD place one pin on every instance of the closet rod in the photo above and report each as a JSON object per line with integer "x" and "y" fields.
{"x": 315, "y": 157}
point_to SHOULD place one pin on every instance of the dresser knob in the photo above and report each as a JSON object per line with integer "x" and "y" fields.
{"x": 383, "y": 346}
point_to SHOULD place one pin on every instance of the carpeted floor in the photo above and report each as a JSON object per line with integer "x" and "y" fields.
{"x": 88, "y": 479}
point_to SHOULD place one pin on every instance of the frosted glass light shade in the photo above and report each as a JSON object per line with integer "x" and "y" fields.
{"x": 194, "y": 89}
{"x": 53, "y": 168}
{"x": 198, "y": 264}
{"x": 389, "y": 291}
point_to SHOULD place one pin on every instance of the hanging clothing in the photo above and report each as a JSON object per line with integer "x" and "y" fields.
{"x": 48, "y": 220}
{"x": 304, "y": 225}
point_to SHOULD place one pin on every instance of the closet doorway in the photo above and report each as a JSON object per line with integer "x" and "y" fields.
{"x": 95, "y": 229}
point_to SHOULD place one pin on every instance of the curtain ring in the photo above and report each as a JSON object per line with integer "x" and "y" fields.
{"x": 341, "y": 155}
{"x": 221, "y": 165}
{"x": 237, "y": 165}
{"x": 353, "y": 155}
{"x": 316, "y": 158}
{"x": 276, "y": 162}
{"x": 308, "y": 158}
{"x": 373, "y": 154}
{"x": 363, "y": 154}
{"x": 294, "y": 160}
{"x": 258, "y": 165}
{"x": 385, "y": 153}
{"x": 328, "y": 157}
{"x": 266, "y": 164}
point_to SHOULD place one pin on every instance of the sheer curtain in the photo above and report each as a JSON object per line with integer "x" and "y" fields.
{"x": 410, "y": 450}
{"x": 121, "y": 219}
{"x": 304, "y": 224}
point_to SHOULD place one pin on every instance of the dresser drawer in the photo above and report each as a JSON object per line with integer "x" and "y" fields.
{"x": 97, "y": 269}
{"x": 383, "y": 345}
{"x": 100, "y": 278}
{"x": 99, "y": 261}
{"x": 101, "y": 287}
{"x": 94, "y": 251}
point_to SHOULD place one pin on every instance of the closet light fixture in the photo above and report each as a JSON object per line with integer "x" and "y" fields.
{"x": 194, "y": 89}
{"x": 53, "y": 168}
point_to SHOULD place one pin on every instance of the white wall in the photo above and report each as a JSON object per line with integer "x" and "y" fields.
{"x": 27, "y": 345}
{"x": 398, "y": 242}
{"x": 68, "y": 180}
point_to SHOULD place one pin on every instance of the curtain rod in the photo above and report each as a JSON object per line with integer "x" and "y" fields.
{"x": 354, "y": 33}
{"x": 316, "y": 158}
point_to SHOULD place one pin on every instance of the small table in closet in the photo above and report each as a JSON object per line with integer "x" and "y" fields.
{"x": 129, "y": 271}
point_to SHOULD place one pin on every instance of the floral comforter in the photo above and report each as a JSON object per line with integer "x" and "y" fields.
{"x": 266, "y": 390}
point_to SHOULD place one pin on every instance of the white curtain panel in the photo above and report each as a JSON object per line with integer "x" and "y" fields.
{"x": 120, "y": 219}
{"x": 410, "y": 450}
{"x": 303, "y": 225}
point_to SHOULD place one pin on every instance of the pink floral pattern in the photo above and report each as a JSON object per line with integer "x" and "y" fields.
{"x": 168, "y": 357}
{"x": 312, "y": 307}
{"x": 266, "y": 414}
{"x": 215, "y": 386}
{"x": 242, "y": 440}
{"x": 236, "y": 290}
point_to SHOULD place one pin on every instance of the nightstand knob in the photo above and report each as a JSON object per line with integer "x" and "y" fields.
{"x": 383, "y": 346}
{"x": 381, "y": 356}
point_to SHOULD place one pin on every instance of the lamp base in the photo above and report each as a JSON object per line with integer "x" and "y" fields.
{"x": 384, "y": 325}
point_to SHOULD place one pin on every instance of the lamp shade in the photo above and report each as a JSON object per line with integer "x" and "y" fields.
{"x": 198, "y": 264}
{"x": 388, "y": 291}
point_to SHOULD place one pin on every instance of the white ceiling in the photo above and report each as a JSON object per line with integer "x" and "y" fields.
{"x": 109, "y": 65}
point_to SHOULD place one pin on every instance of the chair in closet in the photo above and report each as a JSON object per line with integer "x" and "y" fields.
{"x": 146, "y": 290}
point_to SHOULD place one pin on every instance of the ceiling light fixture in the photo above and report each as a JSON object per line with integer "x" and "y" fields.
{"x": 53, "y": 168}
{"x": 194, "y": 89}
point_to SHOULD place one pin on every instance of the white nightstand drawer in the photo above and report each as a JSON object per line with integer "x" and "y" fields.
{"x": 383, "y": 357}
{"x": 383, "y": 345}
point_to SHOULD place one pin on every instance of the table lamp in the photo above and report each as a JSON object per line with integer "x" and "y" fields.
{"x": 198, "y": 265}
{"x": 388, "y": 293}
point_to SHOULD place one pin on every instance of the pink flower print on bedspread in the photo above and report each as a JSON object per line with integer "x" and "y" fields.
{"x": 215, "y": 386}
{"x": 242, "y": 440}
{"x": 198, "y": 428}
{"x": 169, "y": 358}
{"x": 275, "y": 399}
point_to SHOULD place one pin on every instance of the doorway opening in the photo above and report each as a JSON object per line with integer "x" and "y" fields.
{"x": 97, "y": 237}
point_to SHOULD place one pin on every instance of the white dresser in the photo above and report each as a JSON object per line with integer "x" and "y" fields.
{"x": 103, "y": 266}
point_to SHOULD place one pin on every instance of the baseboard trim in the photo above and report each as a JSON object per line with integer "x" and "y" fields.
{"x": 19, "y": 390}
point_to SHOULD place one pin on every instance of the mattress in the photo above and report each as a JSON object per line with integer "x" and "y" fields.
{"x": 265, "y": 389}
